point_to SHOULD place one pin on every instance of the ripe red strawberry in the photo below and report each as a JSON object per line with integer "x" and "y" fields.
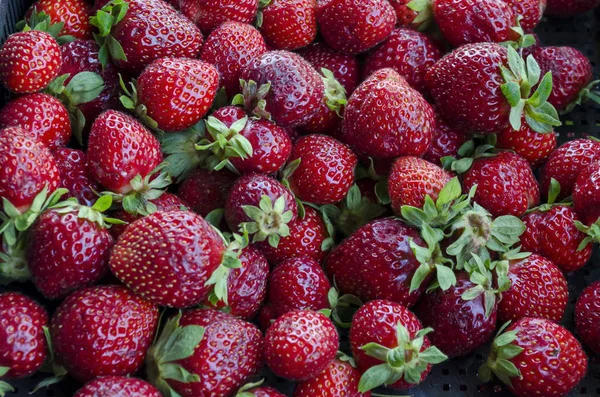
{"x": 261, "y": 391}
{"x": 288, "y": 24}
{"x": 44, "y": 117}
{"x": 536, "y": 356}
{"x": 177, "y": 250}
{"x": 405, "y": 14}
{"x": 390, "y": 346}
{"x": 568, "y": 8}
{"x": 531, "y": 12}
{"x": 587, "y": 317}
{"x": 339, "y": 379}
{"x": 29, "y": 61}
{"x": 217, "y": 352}
{"x": 230, "y": 48}
{"x": 209, "y": 14}
{"x": 74, "y": 175}
{"x": 446, "y": 142}
{"x": 296, "y": 87}
{"x": 537, "y": 289}
{"x": 400, "y": 121}
{"x": 532, "y": 146}
{"x": 505, "y": 184}
{"x": 408, "y": 52}
{"x": 206, "y": 191}
{"x": 94, "y": 326}
{"x": 119, "y": 149}
{"x": 586, "y": 201}
{"x": 23, "y": 345}
{"x": 118, "y": 385}
{"x": 412, "y": 179}
{"x": 309, "y": 337}
{"x": 74, "y": 14}
{"x": 355, "y": 27}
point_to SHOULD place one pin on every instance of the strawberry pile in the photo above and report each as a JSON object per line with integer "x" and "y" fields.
{"x": 212, "y": 189}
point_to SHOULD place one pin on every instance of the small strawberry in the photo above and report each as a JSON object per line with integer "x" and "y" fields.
{"x": 288, "y": 24}
{"x": 101, "y": 331}
{"x": 339, "y": 379}
{"x": 355, "y": 27}
{"x": 407, "y": 15}
{"x": 118, "y": 386}
{"x": 568, "y": 8}
{"x": 328, "y": 117}
{"x": 206, "y": 191}
{"x": 587, "y": 317}
{"x": 73, "y": 14}
{"x": 586, "y": 201}
{"x": 255, "y": 390}
{"x": 531, "y": 12}
{"x": 209, "y": 14}
{"x": 536, "y": 357}
{"x": 309, "y": 337}
{"x": 29, "y": 61}
{"x": 527, "y": 143}
{"x": 445, "y": 143}
{"x": 391, "y": 347}
{"x": 74, "y": 175}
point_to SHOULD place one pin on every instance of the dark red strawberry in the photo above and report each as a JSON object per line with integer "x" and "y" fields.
{"x": 230, "y": 48}
{"x": 329, "y": 115}
{"x": 445, "y": 143}
{"x": 177, "y": 250}
{"x": 206, "y": 191}
{"x": 118, "y": 386}
{"x": 209, "y": 14}
{"x": 29, "y": 61}
{"x": 586, "y": 201}
{"x": 288, "y": 24}
{"x": 73, "y": 14}
{"x": 339, "y": 379}
{"x": 531, "y": 12}
{"x": 536, "y": 356}
{"x": 568, "y": 8}
{"x": 309, "y": 337}
{"x": 587, "y": 317}
{"x": 390, "y": 346}
{"x": 355, "y": 27}
{"x": 400, "y": 121}
{"x": 532, "y": 146}
{"x": 74, "y": 175}
{"x": 94, "y": 326}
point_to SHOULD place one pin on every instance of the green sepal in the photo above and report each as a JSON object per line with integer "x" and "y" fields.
{"x": 335, "y": 93}
{"x": 95, "y": 213}
{"x": 253, "y": 99}
{"x": 42, "y": 22}
{"x": 343, "y": 307}
{"x": 424, "y": 10}
{"x": 269, "y": 221}
{"x": 105, "y": 20}
{"x": 245, "y": 391}
{"x": 4, "y": 386}
{"x": 498, "y": 362}
{"x": 181, "y": 156}
{"x": 523, "y": 40}
{"x": 586, "y": 94}
{"x": 220, "y": 277}
{"x": 226, "y": 143}
{"x": 592, "y": 233}
{"x": 131, "y": 102}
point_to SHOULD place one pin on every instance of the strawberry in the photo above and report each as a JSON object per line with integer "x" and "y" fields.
{"x": 537, "y": 289}
{"x": 408, "y": 52}
{"x": 586, "y": 201}
{"x": 295, "y": 87}
{"x": 309, "y": 337}
{"x": 355, "y": 27}
{"x": 230, "y": 48}
{"x": 73, "y": 14}
{"x": 392, "y": 110}
{"x": 74, "y": 175}
{"x": 137, "y": 32}
{"x": 208, "y": 15}
{"x": 445, "y": 143}
{"x": 587, "y": 317}
{"x": 178, "y": 250}
{"x": 391, "y": 347}
{"x": 339, "y": 379}
{"x": 328, "y": 117}
{"x": 325, "y": 171}
{"x": 288, "y": 24}
{"x": 534, "y": 356}
{"x": 206, "y": 191}
{"x": 250, "y": 390}
{"x": 118, "y": 385}
{"x": 532, "y": 146}
{"x": 29, "y": 61}
{"x": 482, "y": 88}
{"x": 531, "y": 12}
{"x": 216, "y": 354}
{"x": 568, "y": 8}
{"x": 406, "y": 14}
{"x": 94, "y": 326}
{"x": 44, "y": 117}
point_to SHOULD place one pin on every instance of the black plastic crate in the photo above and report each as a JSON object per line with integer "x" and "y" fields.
{"x": 457, "y": 377}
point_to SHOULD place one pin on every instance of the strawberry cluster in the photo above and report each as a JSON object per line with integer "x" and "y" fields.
{"x": 208, "y": 188}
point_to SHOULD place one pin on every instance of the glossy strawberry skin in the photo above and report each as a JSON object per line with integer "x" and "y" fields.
{"x": 459, "y": 326}
{"x": 208, "y": 15}
{"x": 586, "y": 199}
{"x": 29, "y": 61}
{"x": 376, "y": 262}
{"x": 43, "y": 116}
{"x": 177, "y": 250}
{"x": 228, "y": 355}
{"x": 289, "y": 24}
{"x": 22, "y": 341}
{"x": 392, "y": 110}
{"x": 120, "y": 148}
{"x": 587, "y": 317}
{"x": 94, "y": 325}
{"x": 505, "y": 184}
{"x": 446, "y": 142}
{"x": 377, "y": 322}
{"x": 355, "y": 27}
{"x": 309, "y": 337}
{"x": 339, "y": 379}
{"x": 568, "y": 8}
{"x": 532, "y": 146}
{"x": 74, "y": 14}
{"x": 230, "y": 48}
{"x": 26, "y": 167}
{"x": 118, "y": 385}
{"x": 206, "y": 191}
{"x": 74, "y": 175}
{"x": 532, "y": 12}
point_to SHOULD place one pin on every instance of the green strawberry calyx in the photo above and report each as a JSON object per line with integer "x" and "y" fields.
{"x": 131, "y": 102}
{"x": 520, "y": 77}
{"x": 181, "y": 155}
{"x": 50, "y": 366}
{"x": 253, "y": 99}
{"x": 13, "y": 263}
{"x": 105, "y": 19}
{"x": 42, "y": 22}
{"x": 174, "y": 344}
{"x": 499, "y": 361}
{"x": 424, "y": 10}
{"x": 553, "y": 194}
{"x": 94, "y": 214}
{"x": 431, "y": 259}
{"x": 405, "y": 361}
{"x": 592, "y": 233}
{"x": 246, "y": 390}
{"x": 269, "y": 220}
{"x": 342, "y": 308}
{"x": 4, "y": 386}
{"x": 262, "y": 4}
{"x": 468, "y": 153}
{"x": 588, "y": 93}
{"x": 335, "y": 93}
{"x": 523, "y": 39}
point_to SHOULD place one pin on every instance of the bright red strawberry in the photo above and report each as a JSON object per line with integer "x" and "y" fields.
{"x": 309, "y": 337}
{"x": 209, "y": 14}
{"x": 389, "y": 343}
{"x": 118, "y": 386}
{"x": 536, "y": 357}
{"x": 94, "y": 326}
{"x": 219, "y": 351}
{"x": 446, "y": 142}
{"x": 568, "y": 8}
{"x": 177, "y": 250}
{"x": 231, "y": 47}
{"x": 355, "y": 27}
{"x": 44, "y": 117}
{"x": 531, "y": 12}
{"x": 296, "y": 87}
{"x": 400, "y": 121}
{"x": 505, "y": 184}
{"x": 23, "y": 347}
{"x": 74, "y": 14}
{"x": 587, "y": 317}
{"x": 29, "y": 61}
{"x": 586, "y": 201}
{"x": 408, "y": 52}
{"x": 532, "y": 146}
{"x": 74, "y": 175}
{"x": 206, "y": 191}
{"x": 288, "y": 24}
{"x": 339, "y": 379}
{"x": 405, "y": 14}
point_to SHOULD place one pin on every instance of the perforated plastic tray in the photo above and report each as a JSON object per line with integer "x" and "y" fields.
{"x": 456, "y": 377}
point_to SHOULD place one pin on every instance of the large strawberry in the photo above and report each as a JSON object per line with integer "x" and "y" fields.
{"x": 209, "y": 14}
{"x": 206, "y": 191}
{"x": 530, "y": 11}
{"x": 73, "y": 14}
{"x": 339, "y": 379}
{"x": 587, "y": 317}
{"x": 568, "y": 8}
{"x": 288, "y": 24}
{"x": 527, "y": 143}
{"x": 117, "y": 385}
